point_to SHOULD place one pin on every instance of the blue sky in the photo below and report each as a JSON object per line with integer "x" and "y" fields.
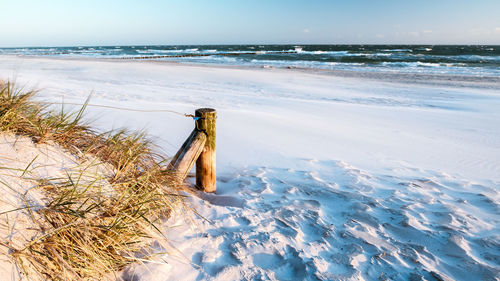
{"x": 113, "y": 22}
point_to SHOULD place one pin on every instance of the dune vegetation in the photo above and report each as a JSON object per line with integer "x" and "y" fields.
{"x": 91, "y": 224}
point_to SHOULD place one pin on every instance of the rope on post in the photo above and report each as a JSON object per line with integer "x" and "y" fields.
{"x": 199, "y": 147}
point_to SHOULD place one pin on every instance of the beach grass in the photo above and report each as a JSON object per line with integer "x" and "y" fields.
{"x": 93, "y": 224}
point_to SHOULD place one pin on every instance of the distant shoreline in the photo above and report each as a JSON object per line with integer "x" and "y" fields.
{"x": 448, "y": 80}
{"x": 465, "y": 60}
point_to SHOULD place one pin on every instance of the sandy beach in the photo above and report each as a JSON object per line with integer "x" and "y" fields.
{"x": 322, "y": 175}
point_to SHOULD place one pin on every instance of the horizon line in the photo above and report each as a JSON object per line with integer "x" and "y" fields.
{"x": 254, "y": 44}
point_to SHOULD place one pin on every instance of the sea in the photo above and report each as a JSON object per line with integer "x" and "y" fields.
{"x": 468, "y": 60}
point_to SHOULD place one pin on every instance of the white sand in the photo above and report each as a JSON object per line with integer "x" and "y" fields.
{"x": 320, "y": 176}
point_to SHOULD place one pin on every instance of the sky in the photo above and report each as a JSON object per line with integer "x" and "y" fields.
{"x": 25, "y": 23}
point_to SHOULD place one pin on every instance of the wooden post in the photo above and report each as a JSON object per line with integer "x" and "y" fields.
{"x": 205, "y": 165}
{"x": 185, "y": 158}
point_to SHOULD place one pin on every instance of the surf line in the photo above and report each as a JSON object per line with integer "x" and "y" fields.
{"x": 207, "y": 55}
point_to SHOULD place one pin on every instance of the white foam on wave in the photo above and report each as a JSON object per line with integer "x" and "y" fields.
{"x": 477, "y": 58}
{"x": 157, "y": 51}
{"x": 397, "y": 50}
{"x": 379, "y": 55}
{"x": 332, "y": 53}
{"x": 428, "y": 64}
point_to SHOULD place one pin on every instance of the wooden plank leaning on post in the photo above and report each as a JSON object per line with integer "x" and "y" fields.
{"x": 189, "y": 152}
{"x": 205, "y": 165}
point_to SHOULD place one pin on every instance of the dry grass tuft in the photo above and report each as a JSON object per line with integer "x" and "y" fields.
{"x": 86, "y": 233}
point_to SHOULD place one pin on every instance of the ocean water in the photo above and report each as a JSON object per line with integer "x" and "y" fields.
{"x": 473, "y": 60}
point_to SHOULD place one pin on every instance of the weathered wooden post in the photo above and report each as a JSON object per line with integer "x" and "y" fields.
{"x": 199, "y": 147}
{"x": 205, "y": 165}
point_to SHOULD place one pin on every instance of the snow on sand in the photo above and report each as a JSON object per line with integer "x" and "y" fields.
{"x": 320, "y": 176}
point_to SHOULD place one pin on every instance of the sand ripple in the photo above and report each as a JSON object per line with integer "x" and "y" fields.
{"x": 341, "y": 223}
